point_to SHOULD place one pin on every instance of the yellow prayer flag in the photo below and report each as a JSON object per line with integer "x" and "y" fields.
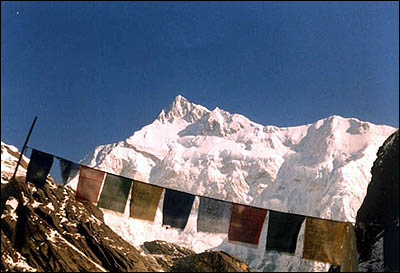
{"x": 144, "y": 201}
{"x": 323, "y": 240}
{"x": 349, "y": 253}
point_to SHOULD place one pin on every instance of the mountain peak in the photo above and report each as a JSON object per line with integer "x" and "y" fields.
{"x": 181, "y": 108}
{"x": 180, "y": 99}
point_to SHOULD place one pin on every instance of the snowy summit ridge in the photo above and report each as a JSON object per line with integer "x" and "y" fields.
{"x": 181, "y": 108}
{"x": 229, "y": 157}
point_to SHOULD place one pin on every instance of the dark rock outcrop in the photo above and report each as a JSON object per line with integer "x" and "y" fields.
{"x": 174, "y": 258}
{"x": 165, "y": 248}
{"x": 166, "y": 253}
{"x": 381, "y": 204}
{"x": 210, "y": 261}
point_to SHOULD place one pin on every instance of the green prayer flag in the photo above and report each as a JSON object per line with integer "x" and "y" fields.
{"x": 115, "y": 193}
{"x": 283, "y": 229}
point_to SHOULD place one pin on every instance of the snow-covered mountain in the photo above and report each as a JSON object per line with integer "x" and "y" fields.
{"x": 320, "y": 169}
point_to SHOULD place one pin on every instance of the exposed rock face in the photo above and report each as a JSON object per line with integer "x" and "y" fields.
{"x": 166, "y": 253}
{"x": 213, "y": 261}
{"x": 174, "y": 258}
{"x": 165, "y": 248}
{"x": 381, "y": 204}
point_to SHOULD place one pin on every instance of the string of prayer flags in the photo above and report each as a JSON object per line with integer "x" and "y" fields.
{"x": 323, "y": 240}
{"x": 213, "y": 215}
{"x": 114, "y": 195}
{"x": 39, "y": 167}
{"x": 89, "y": 184}
{"x": 67, "y": 169}
{"x": 246, "y": 223}
{"x": 144, "y": 201}
{"x": 176, "y": 208}
{"x": 349, "y": 251}
{"x": 283, "y": 229}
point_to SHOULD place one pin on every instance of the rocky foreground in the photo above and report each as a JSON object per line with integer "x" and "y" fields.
{"x": 46, "y": 229}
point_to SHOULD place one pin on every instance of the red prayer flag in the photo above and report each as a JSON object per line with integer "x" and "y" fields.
{"x": 89, "y": 184}
{"x": 246, "y": 223}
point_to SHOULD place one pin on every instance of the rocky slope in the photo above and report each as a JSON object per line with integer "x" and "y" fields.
{"x": 45, "y": 229}
{"x": 179, "y": 259}
{"x": 380, "y": 206}
{"x": 227, "y": 156}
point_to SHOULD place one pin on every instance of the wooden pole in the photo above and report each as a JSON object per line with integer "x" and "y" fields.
{"x": 23, "y": 147}
{"x": 20, "y": 228}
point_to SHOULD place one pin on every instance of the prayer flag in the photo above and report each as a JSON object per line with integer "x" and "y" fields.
{"x": 89, "y": 184}
{"x": 349, "y": 251}
{"x": 391, "y": 247}
{"x": 283, "y": 229}
{"x": 144, "y": 201}
{"x": 246, "y": 223}
{"x": 323, "y": 240}
{"x": 176, "y": 208}
{"x": 67, "y": 169}
{"x": 213, "y": 215}
{"x": 114, "y": 194}
{"x": 39, "y": 167}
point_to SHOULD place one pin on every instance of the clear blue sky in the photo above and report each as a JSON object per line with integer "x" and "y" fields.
{"x": 95, "y": 72}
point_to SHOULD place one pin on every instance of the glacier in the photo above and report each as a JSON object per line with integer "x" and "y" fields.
{"x": 320, "y": 169}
